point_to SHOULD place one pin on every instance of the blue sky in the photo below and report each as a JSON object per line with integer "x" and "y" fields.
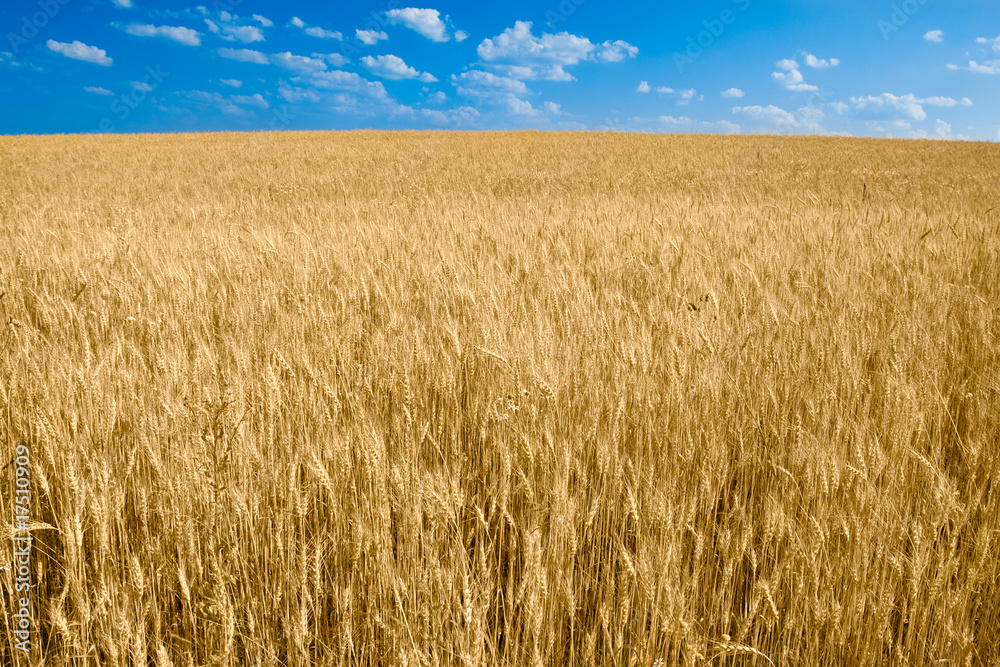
{"x": 913, "y": 68}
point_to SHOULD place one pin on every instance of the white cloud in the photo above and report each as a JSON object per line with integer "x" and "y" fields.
{"x": 232, "y": 83}
{"x": 791, "y": 78}
{"x": 234, "y": 32}
{"x": 334, "y": 59}
{"x": 988, "y": 67}
{"x": 370, "y": 37}
{"x": 232, "y": 105}
{"x": 942, "y": 130}
{"x": 552, "y": 108}
{"x": 477, "y": 83}
{"x": 297, "y": 22}
{"x": 806, "y": 119}
{"x": 934, "y": 36}
{"x": 142, "y": 85}
{"x": 993, "y": 43}
{"x": 462, "y": 116}
{"x": 125, "y": 4}
{"x": 684, "y": 97}
{"x": 322, "y": 33}
{"x": 180, "y": 34}
{"x": 339, "y": 80}
{"x": 426, "y": 22}
{"x": 909, "y": 104}
{"x": 244, "y": 55}
{"x": 615, "y": 52}
{"x": 519, "y": 54}
{"x": 299, "y": 64}
{"x": 732, "y": 92}
{"x": 393, "y": 68}
{"x": 77, "y": 50}
{"x": 643, "y": 87}
{"x": 296, "y": 95}
{"x": 97, "y": 90}
{"x": 266, "y": 22}
{"x": 813, "y": 61}
{"x": 255, "y": 100}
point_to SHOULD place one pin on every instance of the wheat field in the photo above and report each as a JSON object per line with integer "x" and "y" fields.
{"x": 502, "y": 399}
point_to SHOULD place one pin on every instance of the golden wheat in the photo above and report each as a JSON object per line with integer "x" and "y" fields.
{"x": 552, "y": 399}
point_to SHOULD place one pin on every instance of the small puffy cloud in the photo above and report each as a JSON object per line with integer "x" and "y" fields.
{"x": 818, "y": 63}
{"x": 77, "y": 50}
{"x": 791, "y": 78}
{"x": 255, "y": 100}
{"x": 370, "y": 37}
{"x": 141, "y": 86}
{"x": 296, "y": 95}
{"x": 264, "y": 21}
{"x": 615, "y": 52}
{"x": 426, "y": 22}
{"x": 552, "y": 108}
{"x": 460, "y": 117}
{"x": 232, "y": 105}
{"x": 97, "y": 90}
{"x": 393, "y": 68}
{"x": 233, "y": 32}
{"x": 245, "y": 55}
{"x": 299, "y": 64}
{"x": 988, "y": 67}
{"x": 684, "y": 97}
{"x": 942, "y": 130}
{"x": 909, "y": 104}
{"x": 180, "y": 34}
{"x": 232, "y": 83}
{"x": 323, "y": 33}
{"x": 643, "y": 87}
{"x": 124, "y": 4}
{"x": 333, "y": 59}
{"x": 993, "y": 43}
{"x": 772, "y": 117}
{"x": 936, "y": 36}
{"x": 732, "y": 92}
{"x": 316, "y": 31}
{"x": 478, "y": 83}
{"x": 339, "y": 80}
{"x": 517, "y": 53}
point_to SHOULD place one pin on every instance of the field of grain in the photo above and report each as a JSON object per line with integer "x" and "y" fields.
{"x": 507, "y": 399}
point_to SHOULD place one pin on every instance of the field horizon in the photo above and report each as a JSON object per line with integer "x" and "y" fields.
{"x": 500, "y": 398}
